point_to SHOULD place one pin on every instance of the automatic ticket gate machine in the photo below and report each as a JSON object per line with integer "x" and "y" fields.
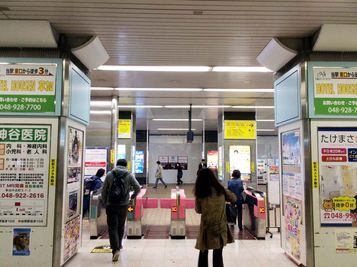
{"x": 178, "y": 215}
{"x": 97, "y": 215}
{"x": 254, "y": 217}
{"x": 134, "y": 217}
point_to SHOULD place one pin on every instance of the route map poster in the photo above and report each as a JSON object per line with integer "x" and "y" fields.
{"x": 24, "y": 174}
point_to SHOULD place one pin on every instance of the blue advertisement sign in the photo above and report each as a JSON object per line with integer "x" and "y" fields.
{"x": 139, "y": 161}
{"x": 21, "y": 242}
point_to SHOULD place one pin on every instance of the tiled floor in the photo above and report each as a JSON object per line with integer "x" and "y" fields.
{"x": 178, "y": 252}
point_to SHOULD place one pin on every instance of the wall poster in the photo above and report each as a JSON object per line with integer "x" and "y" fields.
{"x": 74, "y": 171}
{"x": 293, "y": 192}
{"x": 212, "y": 159}
{"x": 96, "y": 158}
{"x": 170, "y": 162}
{"x": 21, "y": 242}
{"x": 29, "y": 88}
{"x": 239, "y": 158}
{"x": 338, "y": 176}
{"x": 24, "y": 174}
{"x": 71, "y": 237}
{"x": 335, "y": 91}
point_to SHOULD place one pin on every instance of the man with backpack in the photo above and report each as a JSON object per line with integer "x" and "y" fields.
{"x": 115, "y": 195}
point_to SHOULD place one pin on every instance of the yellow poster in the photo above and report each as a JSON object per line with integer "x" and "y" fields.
{"x": 124, "y": 129}
{"x": 239, "y": 129}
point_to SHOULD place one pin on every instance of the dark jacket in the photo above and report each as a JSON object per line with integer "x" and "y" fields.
{"x": 96, "y": 183}
{"x": 179, "y": 172}
{"x": 236, "y": 186}
{"x": 129, "y": 180}
{"x": 214, "y": 232}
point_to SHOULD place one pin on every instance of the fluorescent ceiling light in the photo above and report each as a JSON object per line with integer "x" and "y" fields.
{"x": 161, "y": 89}
{"x": 240, "y": 69}
{"x": 257, "y": 107}
{"x": 139, "y": 106}
{"x": 100, "y": 103}
{"x": 174, "y": 129}
{"x": 102, "y": 88}
{"x": 176, "y": 119}
{"x": 156, "y": 68}
{"x": 264, "y": 120}
{"x": 197, "y": 106}
{"x": 265, "y": 130}
{"x": 239, "y": 90}
{"x": 101, "y": 112}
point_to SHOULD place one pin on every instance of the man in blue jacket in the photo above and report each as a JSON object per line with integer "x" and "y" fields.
{"x": 236, "y": 186}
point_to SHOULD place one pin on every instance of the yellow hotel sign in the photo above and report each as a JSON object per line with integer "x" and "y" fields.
{"x": 240, "y": 129}
{"x": 124, "y": 129}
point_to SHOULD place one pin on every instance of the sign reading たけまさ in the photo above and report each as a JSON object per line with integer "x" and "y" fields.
{"x": 27, "y": 88}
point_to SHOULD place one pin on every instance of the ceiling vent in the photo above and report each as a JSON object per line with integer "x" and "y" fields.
{"x": 27, "y": 33}
{"x": 336, "y": 37}
{"x": 275, "y": 55}
{"x": 92, "y": 53}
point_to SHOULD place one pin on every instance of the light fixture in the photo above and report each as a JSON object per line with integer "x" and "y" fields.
{"x": 161, "y": 89}
{"x": 102, "y": 88}
{"x": 197, "y": 106}
{"x": 265, "y": 130}
{"x": 174, "y": 129}
{"x": 140, "y": 106}
{"x": 100, "y": 112}
{"x": 336, "y": 37}
{"x": 100, "y": 103}
{"x": 264, "y": 120}
{"x": 239, "y": 90}
{"x": 253, "y": 107}
{"x": 240, "y": 69}
{"x": 27, "y": 33}
{"x": 156, "y": 68}
{"x": 275, "y": 55}
{"x": 92, "y": 53}
{"x": 176, "y": 119}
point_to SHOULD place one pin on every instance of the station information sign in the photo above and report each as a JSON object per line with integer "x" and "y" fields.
{"x": 27, "y": 88}
{"x": 239, "y": 129}
{"x": 24, "y": 174}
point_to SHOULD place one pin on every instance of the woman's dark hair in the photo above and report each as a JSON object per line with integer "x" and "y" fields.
{"x": 100, "y": 172}
{"x": 206, "y": 180}
{"x": 158, "y": 162}
{"x": 236, "y": 174}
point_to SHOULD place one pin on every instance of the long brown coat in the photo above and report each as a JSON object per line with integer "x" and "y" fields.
{"x": 214, "y": 232}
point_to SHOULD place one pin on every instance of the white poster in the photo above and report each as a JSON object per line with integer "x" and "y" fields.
{"x": 95, "y": 158}
{"x": 239, "y": 159}
{"x": 24, "y": 174}
{"x": 338, "y": 176}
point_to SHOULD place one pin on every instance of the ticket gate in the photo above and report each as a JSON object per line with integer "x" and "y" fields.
{"x": 254, "y": 217}
{"x": 134, "y": 218}
{"x": 97, "y": 215}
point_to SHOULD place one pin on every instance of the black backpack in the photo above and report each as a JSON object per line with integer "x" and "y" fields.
{"x": 118, "y": 191}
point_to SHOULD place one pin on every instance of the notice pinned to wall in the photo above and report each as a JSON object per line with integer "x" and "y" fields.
{"x": 21, "y": 242}
{"x": 28, "y": 88}
{"x": 345, "y": 242}
{"x": 24, "y": 171}
{"x": 124, "y": 128}
{"x": 240, "y": 129}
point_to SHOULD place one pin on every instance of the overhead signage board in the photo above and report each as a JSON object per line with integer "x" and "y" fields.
{"x": 334, "y": 92}
{"x": 24, "y": 174}
{"x": 28, "y": 88}
{"x": 240, "y": 129}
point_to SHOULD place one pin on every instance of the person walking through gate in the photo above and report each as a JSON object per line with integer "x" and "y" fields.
{"x": 202, "y": 164}
{"x": 115, "y": 195}
{"x": 179, "y": 174}
{"x": 236, "y": 186}
{"x": 214, "y": 233}
{"x": 158, "y": 175}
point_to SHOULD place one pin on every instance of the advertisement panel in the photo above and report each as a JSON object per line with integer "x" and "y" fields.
{"x": 139, "y": 161}
{"x": 212, "y": 159}
{"x": 27, "y": 88}
{"x": 95, "y": 158}
{"x": 24, "y": 174}
{"x": 335, "y": 91}
{"x": 239, "y": 159}
{"x": 338, "y": 176}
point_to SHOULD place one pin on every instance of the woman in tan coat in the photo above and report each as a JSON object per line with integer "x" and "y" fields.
{"x": 214, "y": 234}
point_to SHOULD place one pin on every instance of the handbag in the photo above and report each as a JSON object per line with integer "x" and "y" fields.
{"x": 231, "y": 213}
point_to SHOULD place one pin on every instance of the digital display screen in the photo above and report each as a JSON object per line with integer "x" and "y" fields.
{"x": 139, "y": 161}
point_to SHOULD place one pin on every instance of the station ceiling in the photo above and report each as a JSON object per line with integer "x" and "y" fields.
{"x": 184, "y": 33}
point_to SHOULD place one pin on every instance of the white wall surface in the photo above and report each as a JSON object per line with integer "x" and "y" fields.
{"x": 174, "y": 146}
